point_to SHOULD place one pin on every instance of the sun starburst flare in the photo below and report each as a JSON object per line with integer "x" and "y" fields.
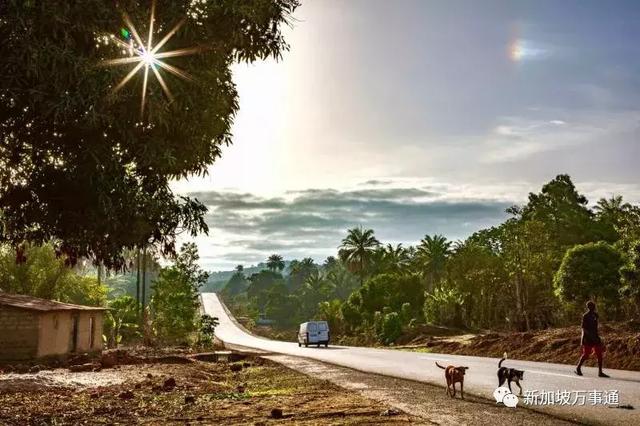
{"x": 148, "y": 56}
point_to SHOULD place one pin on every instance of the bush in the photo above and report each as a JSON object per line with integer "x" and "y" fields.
{"x": 175, "y": 301}
{"x": 208, "y": 326}
{"x": 406, "y": 313}
{"x": 443, "y": 307}
{"x": 121, "y": 321}
{"x": 391, "y": 328}
{"x": 350, "y": 310}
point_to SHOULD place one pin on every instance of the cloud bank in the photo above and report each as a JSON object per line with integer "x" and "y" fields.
{"x": 246, "y": 228}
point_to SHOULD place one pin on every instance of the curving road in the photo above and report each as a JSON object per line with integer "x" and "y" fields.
{"x": 480, "y": 379}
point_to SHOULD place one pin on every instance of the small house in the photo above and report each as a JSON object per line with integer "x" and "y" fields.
{"x": 31, "y": 327}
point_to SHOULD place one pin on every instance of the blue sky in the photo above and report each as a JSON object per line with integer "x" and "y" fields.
{"x": 417, "y": 117}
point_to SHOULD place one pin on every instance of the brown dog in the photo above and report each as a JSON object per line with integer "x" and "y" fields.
{"x": 454, "y": 375}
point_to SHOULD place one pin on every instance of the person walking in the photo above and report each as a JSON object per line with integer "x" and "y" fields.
{"x": 591, "y": 342}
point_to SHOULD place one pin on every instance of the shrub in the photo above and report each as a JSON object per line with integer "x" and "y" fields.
{"x": 391, "y": 328}
{"x": 443, "y": 307}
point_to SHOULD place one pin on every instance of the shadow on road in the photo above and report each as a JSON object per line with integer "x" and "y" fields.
{"x": 330, "y": 348}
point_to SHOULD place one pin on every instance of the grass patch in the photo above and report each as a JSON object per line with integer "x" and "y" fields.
{"x": 235, "y": 396}
{"x": 273, "y": 392}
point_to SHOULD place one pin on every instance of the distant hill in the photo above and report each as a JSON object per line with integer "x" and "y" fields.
{"x": 218, "y": 279}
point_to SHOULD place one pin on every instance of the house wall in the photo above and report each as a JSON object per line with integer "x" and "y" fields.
{"x": 84, "y": 331}
{"x": 54, "y": 333}
{"x": 18, "y": 334}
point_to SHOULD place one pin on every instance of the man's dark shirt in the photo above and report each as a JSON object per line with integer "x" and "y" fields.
{"x": 590, "y": 329}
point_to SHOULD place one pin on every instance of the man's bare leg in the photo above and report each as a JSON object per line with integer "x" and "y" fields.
{"x": 600, "y": 372}
{"x": 583, "y": 358}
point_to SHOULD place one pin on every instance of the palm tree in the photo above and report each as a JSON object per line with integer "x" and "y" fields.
{"x": 299, "y": 270}
{"x": 432, "y": 254}
{"x": 613, "y": 210}
{"x": 275, "y": 263}
{"x": 356, "y": 250}
{"x": 342, "y": 281}
{"x": 610, "y": 205}
{"x": 330, "y": 262}
{"x": 395, "y": 258}
{"x": 330, "y": 311}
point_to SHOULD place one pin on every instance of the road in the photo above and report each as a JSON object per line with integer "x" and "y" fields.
{"x": 481, "y": 377}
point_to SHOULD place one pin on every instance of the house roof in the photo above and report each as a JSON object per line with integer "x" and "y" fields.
{"x": 21, "y": 301}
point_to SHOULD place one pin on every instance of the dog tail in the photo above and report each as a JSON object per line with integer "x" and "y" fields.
{"x": 440, "y": 366}
{"x": 504, "y": 356}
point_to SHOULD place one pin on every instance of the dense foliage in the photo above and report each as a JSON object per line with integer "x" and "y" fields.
{"x": 44, "y": 274}
{"x": 175, "y": 301}
{"x": 79, "y": 165}
{"x": 121, "y": 321}
{"x": 535, "y": 270}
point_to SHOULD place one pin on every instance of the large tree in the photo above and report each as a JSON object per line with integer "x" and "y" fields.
{"x": 590, "y": 271}
{"x": 81, "y": 165}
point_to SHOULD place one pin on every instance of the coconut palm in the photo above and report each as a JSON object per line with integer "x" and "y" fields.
{"x": 300, "y": 270}
{"x": 330, "y": 311}
{"x": 432, "y": 254}
{"x": 395, "y": 259}
{"x": 613, "y": 210}
{"x": 356, "y": 250}
{"x": 275, "y": 263}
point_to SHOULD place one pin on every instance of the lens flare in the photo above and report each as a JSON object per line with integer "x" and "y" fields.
{"x": 148, "y": 56}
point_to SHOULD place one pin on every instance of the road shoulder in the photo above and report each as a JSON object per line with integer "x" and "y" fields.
{"x": 427, "y": 402}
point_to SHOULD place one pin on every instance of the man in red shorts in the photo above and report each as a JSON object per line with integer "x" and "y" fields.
{"x": 591, "y": 342}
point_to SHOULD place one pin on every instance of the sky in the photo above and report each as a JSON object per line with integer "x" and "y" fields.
{"x": 418, "y": 117}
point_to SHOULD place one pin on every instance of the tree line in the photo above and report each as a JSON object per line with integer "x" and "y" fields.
{"x": 146, "y": 301}
{"x": 535, "y": 270}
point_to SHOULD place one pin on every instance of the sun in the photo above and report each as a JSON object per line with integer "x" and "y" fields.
{"x": 147, "y": 56}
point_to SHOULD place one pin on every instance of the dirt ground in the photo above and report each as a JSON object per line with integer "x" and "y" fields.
{"x": 559, "y": 345}
{"x": 203, "y": 393}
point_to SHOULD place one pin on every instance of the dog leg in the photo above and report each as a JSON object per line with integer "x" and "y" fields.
{"x": 510, "y": 386}
{"x": 454, "y": 390}
{"x": 462, "y": 390}
{"x": 501, "y": 380}
{"x": 518, "y": 383}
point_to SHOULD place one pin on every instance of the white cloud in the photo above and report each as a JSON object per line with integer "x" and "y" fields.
{"x": 517, "y": 138}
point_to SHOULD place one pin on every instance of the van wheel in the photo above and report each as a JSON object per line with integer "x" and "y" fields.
{"x": 326, "y": 345}
{"x": 318, "y": 344}
{"x": 306, "y": 344}
{"x": 299, "y": 344}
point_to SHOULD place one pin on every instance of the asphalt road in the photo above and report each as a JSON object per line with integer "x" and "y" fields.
{"x": 481, "y": 377}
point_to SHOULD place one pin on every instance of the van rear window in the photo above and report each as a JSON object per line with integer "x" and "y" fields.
{"x": 322, "y": 326}
{"x": 312, "y": 326}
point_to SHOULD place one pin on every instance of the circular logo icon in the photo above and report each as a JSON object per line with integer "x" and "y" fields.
{"x": 503, "y": 395}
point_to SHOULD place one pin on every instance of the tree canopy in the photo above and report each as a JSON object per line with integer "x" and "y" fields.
{"x": 80, "y": 165}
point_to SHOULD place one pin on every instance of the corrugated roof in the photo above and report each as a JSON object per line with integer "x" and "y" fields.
{"x": 22, "y": 301}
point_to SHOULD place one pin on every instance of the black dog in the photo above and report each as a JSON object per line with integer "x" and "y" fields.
{"x": 509, "y": 375}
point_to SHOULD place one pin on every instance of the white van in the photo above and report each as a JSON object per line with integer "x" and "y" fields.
{"x": 314, "y": 333}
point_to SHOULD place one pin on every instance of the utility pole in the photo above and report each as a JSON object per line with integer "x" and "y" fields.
{"x": 138, "y": 276}
{"x": 144, "y": 278}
